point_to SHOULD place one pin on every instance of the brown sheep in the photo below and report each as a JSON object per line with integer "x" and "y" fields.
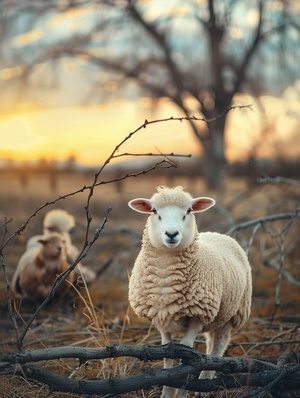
{"x": 39, "y": 266}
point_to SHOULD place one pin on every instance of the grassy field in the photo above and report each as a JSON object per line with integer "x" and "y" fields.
{"x": 102, "y": 315}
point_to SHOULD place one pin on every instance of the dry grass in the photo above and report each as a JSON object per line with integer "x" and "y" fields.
{"x": 101, "y": 316}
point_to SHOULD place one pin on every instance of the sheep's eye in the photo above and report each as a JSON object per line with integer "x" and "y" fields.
{"x": 187, "y": 213}
{"x": 155, "y": 212}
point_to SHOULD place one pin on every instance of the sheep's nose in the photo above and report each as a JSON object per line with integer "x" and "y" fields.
{"x": 172, "y": 235}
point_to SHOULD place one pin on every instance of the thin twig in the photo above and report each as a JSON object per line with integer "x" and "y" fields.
{"x": 149, "y": 154}
{"x": 251, "y": 240}
{"x": 263, "y": 220}
{"x": 277, "y": 180}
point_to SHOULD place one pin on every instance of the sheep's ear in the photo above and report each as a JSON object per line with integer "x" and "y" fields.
{"x": 141, "y": 205}
{"x": 43, "y": 241}
{"x": 202, "y": 204}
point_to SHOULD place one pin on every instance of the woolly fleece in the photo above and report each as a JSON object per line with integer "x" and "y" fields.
{"x": 210, "y": 280}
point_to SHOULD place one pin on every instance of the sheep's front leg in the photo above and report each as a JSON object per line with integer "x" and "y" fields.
{"x": 194, "y": 327}
{"x": 216, "y": 343}
{"x": 192, "y": 330}
{"x": 167, "y": 392}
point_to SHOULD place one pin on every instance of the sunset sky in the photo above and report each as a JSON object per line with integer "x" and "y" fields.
{"x": 91, "y": 133}
{"x": 56, "y": 121}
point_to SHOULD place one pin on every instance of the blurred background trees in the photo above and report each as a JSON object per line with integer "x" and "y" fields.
{"x": 200, "y": 55}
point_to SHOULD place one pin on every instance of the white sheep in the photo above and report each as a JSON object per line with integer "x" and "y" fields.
{"x": 186, "y": 281}
{"x": 39, "y": 266}
{"x": 62, "y": 222}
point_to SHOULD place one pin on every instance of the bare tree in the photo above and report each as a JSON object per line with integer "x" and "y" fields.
{"x": 199, "y": 55}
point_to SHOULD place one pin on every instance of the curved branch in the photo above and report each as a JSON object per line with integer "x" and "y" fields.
{"x": 144, "y": 353}
{"x": 258, "y": 373}
{"x": 179, "y": 377}
{"x": 263, "y": 220}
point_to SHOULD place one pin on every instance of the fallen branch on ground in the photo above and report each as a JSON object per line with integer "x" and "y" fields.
{"x": 236, "y": 372}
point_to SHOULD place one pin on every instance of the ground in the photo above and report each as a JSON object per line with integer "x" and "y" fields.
{"x": 101, "y": 316}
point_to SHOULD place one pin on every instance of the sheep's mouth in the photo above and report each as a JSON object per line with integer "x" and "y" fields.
{"x": 171, "y": 242}
{"x": 55, "y": 256}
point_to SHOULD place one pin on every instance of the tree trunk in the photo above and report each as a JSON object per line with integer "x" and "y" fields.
{"x": 212, "y": 142}
{"x": 214, "y": 160}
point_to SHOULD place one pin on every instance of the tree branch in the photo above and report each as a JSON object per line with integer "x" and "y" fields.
{"x": 263, "y": 220}
{"x": 162, "y": 43}
{"x": 241, "y": 70}
{"x": 258, "y": 373}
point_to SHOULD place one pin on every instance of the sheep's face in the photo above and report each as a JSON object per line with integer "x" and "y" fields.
{"x": 171, "y": 226}
{"x": 53, "y": 246}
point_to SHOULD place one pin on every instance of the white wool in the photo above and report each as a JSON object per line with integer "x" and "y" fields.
{"x": 186, "y": 281}
{"x": 207, "y": 281}
{"x": 58, "y": 221}
{"x": 171, "y": 196}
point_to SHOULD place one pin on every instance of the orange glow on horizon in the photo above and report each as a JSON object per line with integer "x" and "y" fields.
{"x": 90, "y": 134}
